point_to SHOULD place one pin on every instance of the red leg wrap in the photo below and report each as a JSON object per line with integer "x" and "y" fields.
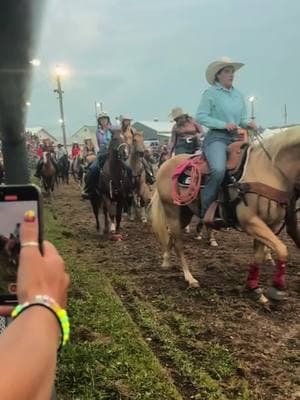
{"x": 279, "y": 279}
{"x": 253, "y": 276}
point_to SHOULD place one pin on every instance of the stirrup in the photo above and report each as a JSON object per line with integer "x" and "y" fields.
{"x": 217, "y": 223}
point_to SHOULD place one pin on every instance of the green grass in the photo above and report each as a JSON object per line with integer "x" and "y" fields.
{"x": 107, "y": 357}
{"x": 209, "y": 367}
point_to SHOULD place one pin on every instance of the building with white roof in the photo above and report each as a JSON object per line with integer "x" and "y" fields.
{"x": 42, "y": 133}
{"x": 155, "y": 130}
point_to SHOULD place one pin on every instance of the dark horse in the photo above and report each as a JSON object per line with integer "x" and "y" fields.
{"x": 113, "y": 188}
{"x": 48, "y": 173}
{"x": 63, "y": 166}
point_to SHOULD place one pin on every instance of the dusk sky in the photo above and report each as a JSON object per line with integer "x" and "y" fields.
{"x": 144, "y": 57}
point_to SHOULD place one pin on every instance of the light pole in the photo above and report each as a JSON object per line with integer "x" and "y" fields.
{"x": 285, "y": 115}
{"x": 97, "y": 108}
{"x": 252, "y": 100}
{"x": 59, "y": 72}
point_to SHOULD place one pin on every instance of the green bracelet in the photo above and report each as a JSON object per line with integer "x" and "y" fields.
{"x": 47, "y": 302}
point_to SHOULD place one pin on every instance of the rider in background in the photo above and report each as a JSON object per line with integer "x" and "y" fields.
{"x": 103, "y": 136}
{"x": 39, "y": 151}
{"x": 47, "y": 147}
{"x": 75, "y": 152}
{"x": 186, "y": 133}
{"x": 222, "y": 109}
{"x": 128, "y": 131}
{"x": 60, "y": 152}
{"x": 88, "y": 149}
{"x": 164, "y": 155}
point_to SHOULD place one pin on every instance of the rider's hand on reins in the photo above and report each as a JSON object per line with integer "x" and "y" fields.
{"x": 231, "y": 127}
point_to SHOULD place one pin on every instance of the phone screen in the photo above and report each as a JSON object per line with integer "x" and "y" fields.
{"x": 12, "y": 212}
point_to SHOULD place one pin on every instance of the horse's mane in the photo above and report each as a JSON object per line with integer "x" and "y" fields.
{"x": 285, "y": 138}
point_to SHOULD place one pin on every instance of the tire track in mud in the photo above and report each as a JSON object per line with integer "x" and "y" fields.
{"x": 267, "y": 346}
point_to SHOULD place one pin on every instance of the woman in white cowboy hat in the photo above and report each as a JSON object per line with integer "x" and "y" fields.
{"x": 222, "y": 109}
{"x": 186, "y": 133}
{"x": 103, "y": 136}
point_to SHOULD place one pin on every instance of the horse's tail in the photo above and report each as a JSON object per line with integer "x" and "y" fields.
{"x": 158, "y": 218}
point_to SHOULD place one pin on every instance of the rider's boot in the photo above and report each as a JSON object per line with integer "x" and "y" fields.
{"x": 211, "y": 217}
{"x": 38, "y": 170}
{"x": 91, "y": 182}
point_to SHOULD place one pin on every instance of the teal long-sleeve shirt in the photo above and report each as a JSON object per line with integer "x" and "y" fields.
{"x": 220, "y": 106}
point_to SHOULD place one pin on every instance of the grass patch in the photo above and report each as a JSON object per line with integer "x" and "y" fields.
{"x": 209, "y": 367}
{"x": 107, "y": 357}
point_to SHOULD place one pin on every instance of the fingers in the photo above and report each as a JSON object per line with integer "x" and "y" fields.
{"x": 5, "y": 311}
{"x": 29, "y": 228}
{"x": 29, "y": 232}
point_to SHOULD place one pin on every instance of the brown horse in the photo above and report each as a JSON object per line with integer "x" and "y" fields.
{"x": 77, "y": 168}
{"x": 272, "y": 176}
{"x": 48, "y": 173}
{"x": 142, "y": 193}
{"x": 113, "y": 189}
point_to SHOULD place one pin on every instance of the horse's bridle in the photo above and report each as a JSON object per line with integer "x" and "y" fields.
{"x": 119, "y": 148}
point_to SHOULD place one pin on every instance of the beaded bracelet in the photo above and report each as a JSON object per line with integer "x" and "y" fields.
{"x": 47, "y": 302}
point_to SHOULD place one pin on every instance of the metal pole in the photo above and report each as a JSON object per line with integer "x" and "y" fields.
{"x": 252, "y": 110}
{"x": 60, "y": 92}
{"x": 285, "y": 115}
{"x": 96, "y": 110}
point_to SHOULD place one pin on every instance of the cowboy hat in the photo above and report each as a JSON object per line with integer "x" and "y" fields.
{"x": 103, "y": 115}
{"x": 216, "y": 66}
{"x": 124, "y": 117}
{"x": 176, "y": 113}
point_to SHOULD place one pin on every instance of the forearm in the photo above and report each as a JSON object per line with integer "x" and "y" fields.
{"x": 209, "y": 122}
{"x": 28, "y": 355}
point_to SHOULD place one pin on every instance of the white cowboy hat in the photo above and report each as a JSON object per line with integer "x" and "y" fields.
{"x": 103, "y": 114}
{"x": 216, "y": 66}
{"x": 176, "y": 113}
{"x": 126, "y": 116}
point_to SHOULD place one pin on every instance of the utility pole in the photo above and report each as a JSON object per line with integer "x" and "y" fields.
{"x": 285, "y": 115}
{"x": 60, "y": 92}
{"x": 252, "y": 100}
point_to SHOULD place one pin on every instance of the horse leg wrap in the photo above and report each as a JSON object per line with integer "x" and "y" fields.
{"x": 279, "y": 278}
{"x": 253, "y": 276}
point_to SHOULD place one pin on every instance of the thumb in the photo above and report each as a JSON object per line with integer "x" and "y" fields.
{"x": 29, "y": 229}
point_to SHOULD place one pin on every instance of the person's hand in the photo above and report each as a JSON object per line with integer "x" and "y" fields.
{"x": 252, "y": 125}
{"x": 231, "y": 127}
{"x": 39, "y": 274}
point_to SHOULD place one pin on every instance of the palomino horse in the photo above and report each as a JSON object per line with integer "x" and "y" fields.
{"x": 142, "y": 193}
{"x": 113, "y": 188}
{"x": 48, "y": 173}
{"x": 77, "y": 169}
{"x": 269, "y": 181}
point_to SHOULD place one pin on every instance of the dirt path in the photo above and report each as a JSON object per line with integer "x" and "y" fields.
{"x": 215, "y": 320}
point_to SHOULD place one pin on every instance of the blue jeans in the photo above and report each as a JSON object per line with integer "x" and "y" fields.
{"x": 215, "y": 149}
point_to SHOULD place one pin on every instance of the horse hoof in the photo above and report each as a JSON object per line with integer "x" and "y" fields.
{"x": 165, "y": 265}
{"x": 116, "y": 237}
{"x": 194, "y": 284}
{"x": 187, "y": 229}
{"x": 198, "y": 237}
{"x": 258, "y": 296}
{"x": 276, "y": 294}
{"x": 213, "y": 243}
{"x": 144, "y": 220}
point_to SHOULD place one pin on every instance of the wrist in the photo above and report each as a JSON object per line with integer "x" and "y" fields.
{"x": 51, "y": 307}
{"x": 40, "y": 320}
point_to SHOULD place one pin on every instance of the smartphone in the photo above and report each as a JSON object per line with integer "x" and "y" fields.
{"x": 14, "y": 202}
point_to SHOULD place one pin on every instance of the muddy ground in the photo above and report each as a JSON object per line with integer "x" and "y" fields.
{"x": 266, "y": 344}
